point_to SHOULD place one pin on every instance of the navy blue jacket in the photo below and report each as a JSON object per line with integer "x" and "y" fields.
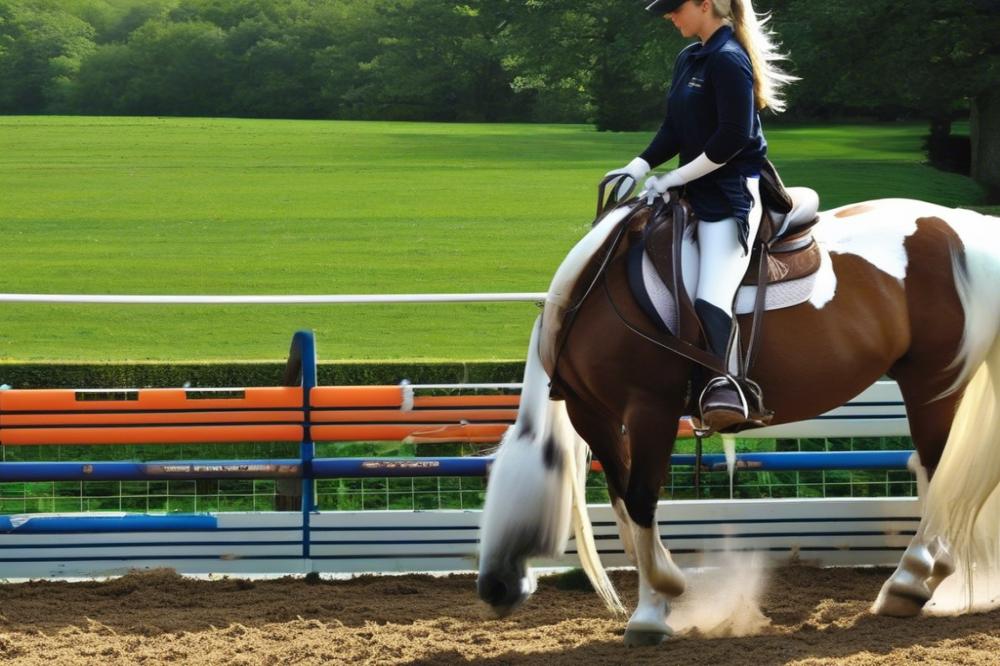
{"x": 711, "y": 109}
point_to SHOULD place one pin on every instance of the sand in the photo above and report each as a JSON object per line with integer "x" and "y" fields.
{"x": 807, "y": 616}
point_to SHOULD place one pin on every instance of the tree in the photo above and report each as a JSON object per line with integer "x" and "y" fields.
{"x": 41, "y": 50}
{"x": 616, "y": 59}
{"x": 165, "y": 68}
{"x": 931, "y": 60}
{"x": 434, "y": 60}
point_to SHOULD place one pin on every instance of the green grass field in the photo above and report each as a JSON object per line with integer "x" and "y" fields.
{"x": 203, "y": 206}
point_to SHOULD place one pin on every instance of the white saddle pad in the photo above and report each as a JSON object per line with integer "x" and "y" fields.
{"x": 780, "y": 295}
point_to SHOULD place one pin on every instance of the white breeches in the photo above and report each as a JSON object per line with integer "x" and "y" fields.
{"x": 722, "y": 262}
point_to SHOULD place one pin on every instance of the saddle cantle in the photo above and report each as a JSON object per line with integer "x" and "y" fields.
{"x": 785, "y": 231}
{"x": 792, "y": 252}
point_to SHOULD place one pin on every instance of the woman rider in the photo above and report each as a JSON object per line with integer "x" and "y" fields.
{"x": 719, "y": 85}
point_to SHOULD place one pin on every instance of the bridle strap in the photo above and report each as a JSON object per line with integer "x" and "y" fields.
{"x": 602, "y": 205}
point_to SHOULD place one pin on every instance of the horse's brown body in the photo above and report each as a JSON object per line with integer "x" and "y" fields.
{"x": 625, "y": 395}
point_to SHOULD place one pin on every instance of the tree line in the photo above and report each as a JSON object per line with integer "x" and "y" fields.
{"x": 605, "y": 62}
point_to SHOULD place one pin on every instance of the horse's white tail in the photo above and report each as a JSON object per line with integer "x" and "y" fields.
{"x": 535, "y": 489}
{"x": 963, "y": 499}
{"x": 583, "y": 531}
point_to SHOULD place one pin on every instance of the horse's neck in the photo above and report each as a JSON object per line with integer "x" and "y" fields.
{"x": 572, "y": 267}
{"x": 568, "y": 286}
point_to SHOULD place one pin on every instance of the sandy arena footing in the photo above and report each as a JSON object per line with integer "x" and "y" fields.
{"x": 806, "y": 616}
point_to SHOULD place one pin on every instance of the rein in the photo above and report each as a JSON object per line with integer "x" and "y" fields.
{"x": 676, "y": 344}
{"x": 672, "y": 343}
{"x": 601, "y": 270}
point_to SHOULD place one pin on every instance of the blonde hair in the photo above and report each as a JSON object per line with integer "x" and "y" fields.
{"x": 751, "y": 31}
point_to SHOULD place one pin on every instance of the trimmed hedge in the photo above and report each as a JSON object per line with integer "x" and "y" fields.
{"x": 209, "y": 375}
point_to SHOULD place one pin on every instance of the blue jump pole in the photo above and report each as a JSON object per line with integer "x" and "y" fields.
{"x": 150, "y": 471}
{"x": 309, "y": 468}
{"x": 764, "y": 462}
{"x": 803, "y": 461}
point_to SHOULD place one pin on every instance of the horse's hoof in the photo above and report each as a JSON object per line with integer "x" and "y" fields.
{"x": 897, "y": 605}
{"x": 645, "y": 638}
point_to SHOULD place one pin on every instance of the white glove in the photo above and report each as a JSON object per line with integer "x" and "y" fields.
{"x": 693, "y": 170}
{"x": 630, "y": 175}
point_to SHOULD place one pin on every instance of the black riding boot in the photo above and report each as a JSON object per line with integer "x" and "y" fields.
{"x": 722, "y": 403}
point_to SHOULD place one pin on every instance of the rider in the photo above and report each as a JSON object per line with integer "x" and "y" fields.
{"x": 719, "y": 85}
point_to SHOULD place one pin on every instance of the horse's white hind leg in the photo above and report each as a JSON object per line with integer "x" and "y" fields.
{"x": 660, "y": 579}
{"x": 925, "y": 563}
{"x": 923, "y": 566}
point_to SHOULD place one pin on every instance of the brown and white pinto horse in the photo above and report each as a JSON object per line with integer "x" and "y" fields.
{"x": 906, "y": 289}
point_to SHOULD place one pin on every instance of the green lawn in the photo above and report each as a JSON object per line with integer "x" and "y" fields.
{"x": 151, "y": 205}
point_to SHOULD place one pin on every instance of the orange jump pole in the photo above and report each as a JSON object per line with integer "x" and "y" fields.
{"x": 149, "y": 416}
{"x": 335, "y": 413}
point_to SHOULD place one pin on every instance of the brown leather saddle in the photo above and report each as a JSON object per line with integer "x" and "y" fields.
{"x": 783, "y": 250}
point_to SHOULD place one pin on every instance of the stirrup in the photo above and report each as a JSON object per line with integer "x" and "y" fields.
{"x": 759, "y": 414}
{"x": 727, "y": 412}
{"x": 747, "y": 410}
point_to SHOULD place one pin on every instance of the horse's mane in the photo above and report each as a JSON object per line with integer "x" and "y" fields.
{"x": 576, "y": 274}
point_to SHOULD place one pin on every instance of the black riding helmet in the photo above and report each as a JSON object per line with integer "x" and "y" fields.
{"x": 660, "y": 7}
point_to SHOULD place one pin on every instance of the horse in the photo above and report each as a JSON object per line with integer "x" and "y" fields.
{"x": 905, "y": 288}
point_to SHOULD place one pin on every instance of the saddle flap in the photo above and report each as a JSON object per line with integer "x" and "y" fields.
{"x": 664, "y": 254}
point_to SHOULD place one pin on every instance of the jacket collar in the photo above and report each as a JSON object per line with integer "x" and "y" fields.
{"x": 714, "y": 43}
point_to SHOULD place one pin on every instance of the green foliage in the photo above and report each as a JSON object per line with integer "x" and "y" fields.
{"x": 41, "y": 50}
{"x": 431, "y": 60}
{"x": 890, "y": 59}
{"x": 615, "y": 63}
{"x": 478, "y": 60}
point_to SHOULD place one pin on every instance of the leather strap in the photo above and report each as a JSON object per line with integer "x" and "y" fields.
{"x": 670, "y": 343}
{"x": 757, "y": 324}
{"x": 675, "y": 344}
{"x": 603, "y": 206}
{"x": 679, "y": 222}
{"x": 602, "y": 268}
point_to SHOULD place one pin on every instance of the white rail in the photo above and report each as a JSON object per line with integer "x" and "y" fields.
{"x": 307, "y": 299}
